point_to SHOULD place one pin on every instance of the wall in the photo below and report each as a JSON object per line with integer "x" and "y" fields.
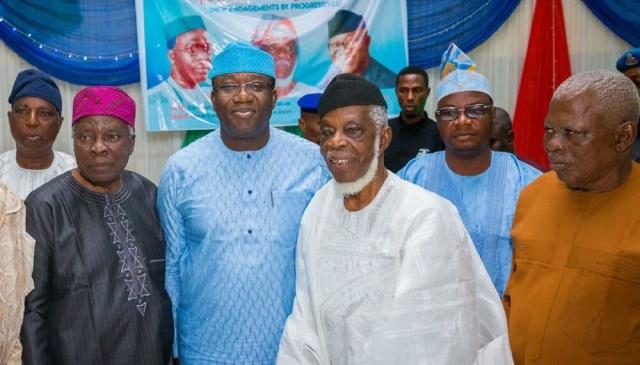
{"x": 501, "y": 58}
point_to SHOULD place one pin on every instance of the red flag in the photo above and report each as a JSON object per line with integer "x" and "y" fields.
{"x": 546, "y": 66}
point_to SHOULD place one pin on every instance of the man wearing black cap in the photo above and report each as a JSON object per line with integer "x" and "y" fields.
{"x": 349, "y": 50}
{"x": 309, "y": 121}
{"x": 385, "y": 271}
{"x": 183, "y": 99}
{"x": 35, "y": 120}
{"x": 629, "y": 65}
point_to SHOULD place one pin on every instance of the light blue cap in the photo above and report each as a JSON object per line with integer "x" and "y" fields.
{"x": 181, "y": 25}
{"x": 243, "y": 57}
{"x": 459, "y": 73}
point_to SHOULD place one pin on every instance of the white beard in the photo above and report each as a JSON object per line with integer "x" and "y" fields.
{"x": 354, "y": 187}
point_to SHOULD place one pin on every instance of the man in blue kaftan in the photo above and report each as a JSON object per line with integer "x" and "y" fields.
{"x": 483, "y": 184}
{"x": 230, "y": 206}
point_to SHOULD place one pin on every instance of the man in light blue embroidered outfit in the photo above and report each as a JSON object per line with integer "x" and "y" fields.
{"x": 484, "y": 185}
{"x": 230, "y": 205}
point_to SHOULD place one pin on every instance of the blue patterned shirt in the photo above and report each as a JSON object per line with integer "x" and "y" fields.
{"x": 486, "y": 202}
{"x": 231, "y": 222}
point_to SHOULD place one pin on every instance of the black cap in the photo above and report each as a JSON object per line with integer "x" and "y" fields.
{"x": 345, "y": 21}
{"x": 347, "y": 90}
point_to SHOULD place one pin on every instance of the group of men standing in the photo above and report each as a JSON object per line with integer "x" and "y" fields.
{"x": 260, "y": 247}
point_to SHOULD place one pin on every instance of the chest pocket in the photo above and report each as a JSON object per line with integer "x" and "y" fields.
{"x": 604, "y": 301}
{"x": 285, "y": 214}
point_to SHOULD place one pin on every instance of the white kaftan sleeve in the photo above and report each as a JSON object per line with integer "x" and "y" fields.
{"x": 300, "y": 342}
{"x": 441, "y": 311}
{"x": 492, "y": 321}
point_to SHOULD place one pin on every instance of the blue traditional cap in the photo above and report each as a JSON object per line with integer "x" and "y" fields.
{"x": 181, "y": 25}
{"x": 243, "y": 57}
{"x": 630, "y": 59}
{"x": 309, "y": 103}
{"x": 344, "y": 21}
{"x": 36, "y": 83}
{"x": 458, "y": 73}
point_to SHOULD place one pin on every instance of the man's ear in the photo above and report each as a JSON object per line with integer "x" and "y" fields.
{"x": 275, "y": 98}
{"x": 172, "y": 57}
{"x": 301, "y": 124}
{"x": 625, "y": 135}
{"x": 133, "y": 144}
{"x": 59, "y": 122}
{"x": 367, "y": 39}
{"x": 213, "y": 97}
{"x": 385, "y": 138}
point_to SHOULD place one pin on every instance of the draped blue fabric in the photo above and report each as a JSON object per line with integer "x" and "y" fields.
{"x": 433, "y": 24}
{"x": 622, "y": 17}
{"x": 88, "y": 42}
{"x": 84, "y": 42}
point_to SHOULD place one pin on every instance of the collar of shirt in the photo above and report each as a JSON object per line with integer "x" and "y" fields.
{"x": 419, "y": 124}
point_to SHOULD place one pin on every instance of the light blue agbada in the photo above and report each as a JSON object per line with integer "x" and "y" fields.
{"x": 486, "y": 202}
{"x": 231, "y": 222}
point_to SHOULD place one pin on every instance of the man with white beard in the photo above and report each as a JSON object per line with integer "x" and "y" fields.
{"x": 385, "y": 271}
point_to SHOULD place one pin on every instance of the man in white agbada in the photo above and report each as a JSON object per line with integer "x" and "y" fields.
{"x": 385, "y": 271}
{"x": 35, "y": 119}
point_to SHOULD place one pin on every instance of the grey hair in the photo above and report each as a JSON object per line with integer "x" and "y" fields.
{"x": 611, "y": 90}
{"x": 378, "y": 115}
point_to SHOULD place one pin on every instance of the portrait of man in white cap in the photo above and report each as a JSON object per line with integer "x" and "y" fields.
{"x": 278, "y": 37}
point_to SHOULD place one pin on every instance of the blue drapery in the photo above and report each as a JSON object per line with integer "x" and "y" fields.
{"x": 622, "y": 17}
{"x": 434, "y": 24}
{"x": 85, "y": 42}
{"x": 88, "y": 42}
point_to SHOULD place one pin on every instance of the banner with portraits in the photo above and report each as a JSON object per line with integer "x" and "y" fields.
{"x": 310, "y": 41}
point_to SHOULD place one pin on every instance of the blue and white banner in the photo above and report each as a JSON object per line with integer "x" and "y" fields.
{"x": 311, "y": 42}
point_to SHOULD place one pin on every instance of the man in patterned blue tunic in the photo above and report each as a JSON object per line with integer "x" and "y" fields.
{"x": 230, "y": 205}
{"x": 98, "y": 269}
{"x": 484, "y": 185}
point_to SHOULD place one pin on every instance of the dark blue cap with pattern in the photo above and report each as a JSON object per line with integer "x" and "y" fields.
{"x": 36, "y": 83}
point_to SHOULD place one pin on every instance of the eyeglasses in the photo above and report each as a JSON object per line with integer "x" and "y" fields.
{"x": 288, "y": 47}
{"x": 475, "y": 111}
{"x": 194, "y": 49}
{"x": 252, "y": 87}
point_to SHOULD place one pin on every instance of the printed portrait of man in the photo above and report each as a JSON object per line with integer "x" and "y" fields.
{"x": 278, "y": 37}
{"x": 349, "y": 42}
{"x": 184, "y": 95}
